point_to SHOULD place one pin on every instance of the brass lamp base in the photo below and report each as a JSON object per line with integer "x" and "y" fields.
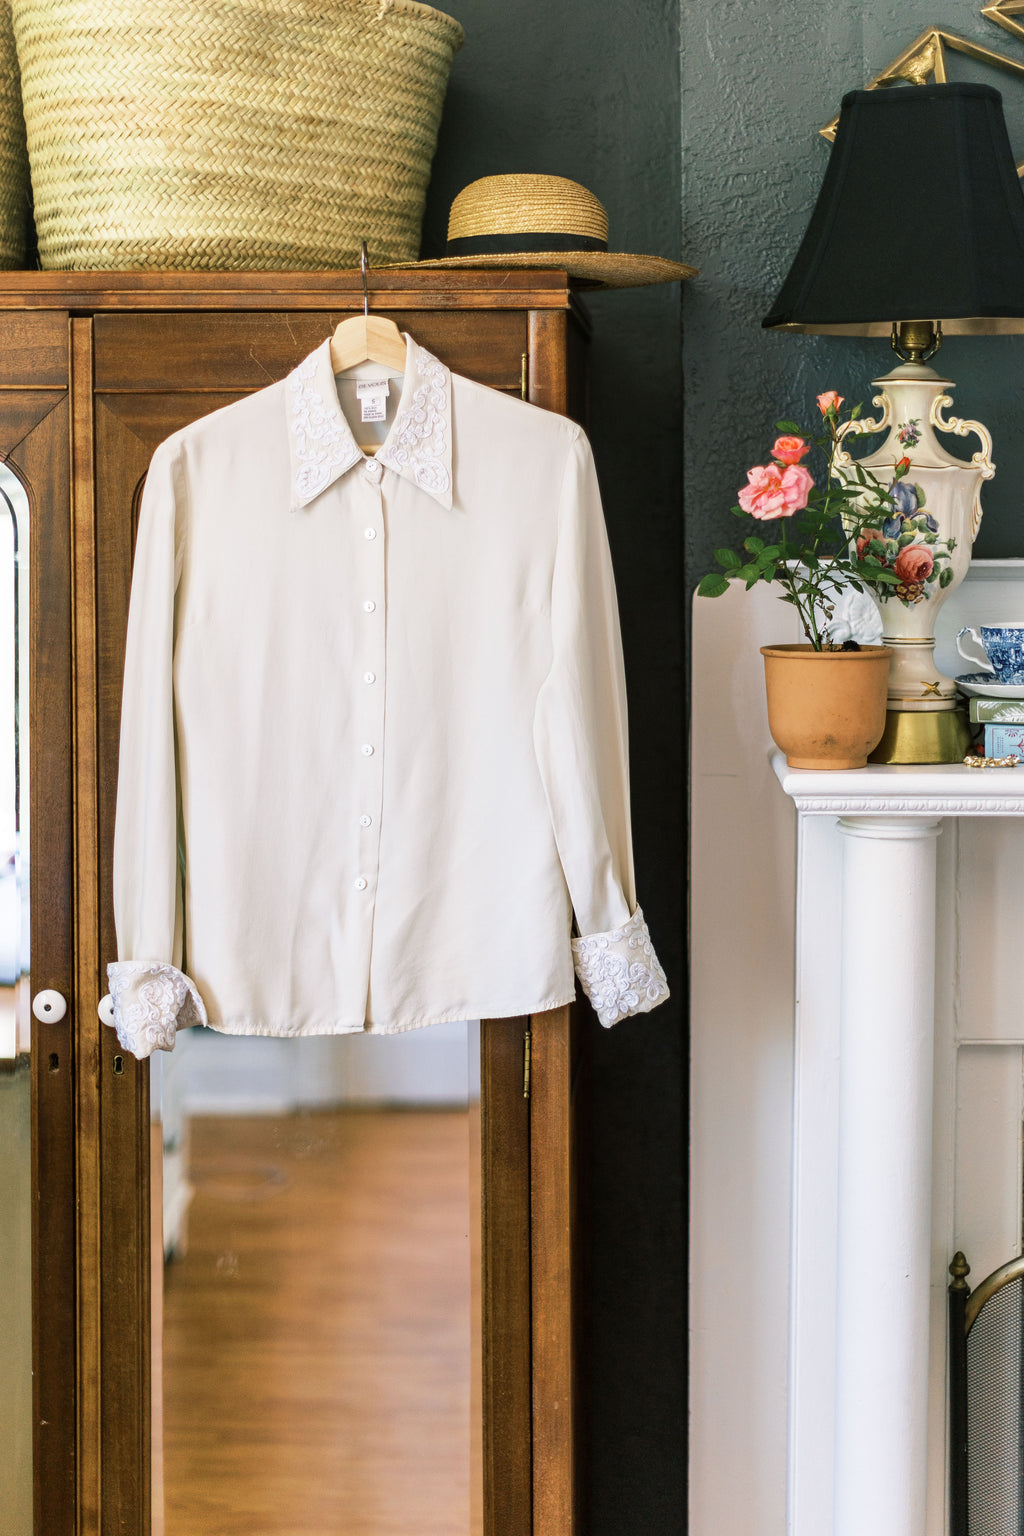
{"x": 923, "y": 736}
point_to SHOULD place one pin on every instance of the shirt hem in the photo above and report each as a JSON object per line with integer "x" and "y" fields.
{"x": 501, "y": 1011}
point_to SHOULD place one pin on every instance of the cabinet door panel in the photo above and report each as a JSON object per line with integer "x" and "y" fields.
{"x": 35, "y": 351}
{"x": 121, "y": 458}
{"x": 34, "y": 430}
{"x": 138, "y": 353}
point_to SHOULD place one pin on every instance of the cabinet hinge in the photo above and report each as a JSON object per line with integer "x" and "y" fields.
{"x": 526, "y": 1064}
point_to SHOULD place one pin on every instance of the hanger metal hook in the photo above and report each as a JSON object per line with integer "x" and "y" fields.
{"x": 364, "y": 267}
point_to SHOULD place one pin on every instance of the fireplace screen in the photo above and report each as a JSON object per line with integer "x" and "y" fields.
{"x": 987, "y": 1402}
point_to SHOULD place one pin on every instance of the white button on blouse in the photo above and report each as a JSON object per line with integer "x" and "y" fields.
{"x": 499, "y": 781}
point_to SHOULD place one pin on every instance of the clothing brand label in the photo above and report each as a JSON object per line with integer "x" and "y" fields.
{"x": 373, "y": 398}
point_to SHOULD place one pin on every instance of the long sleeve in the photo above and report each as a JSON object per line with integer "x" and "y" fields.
{"x": 581, "y": 743}
{"x": 151, "y": 996}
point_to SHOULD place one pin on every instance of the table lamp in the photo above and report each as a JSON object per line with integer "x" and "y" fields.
{"x": 918, "y": 232}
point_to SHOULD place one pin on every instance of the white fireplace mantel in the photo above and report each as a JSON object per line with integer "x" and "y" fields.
{"x": 871, "y": 1355}
{"x": 857, "y": 1057}
{"x": 935, "y": 792}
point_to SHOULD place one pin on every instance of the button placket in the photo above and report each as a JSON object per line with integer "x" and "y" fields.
{"x": 371, "y": 694}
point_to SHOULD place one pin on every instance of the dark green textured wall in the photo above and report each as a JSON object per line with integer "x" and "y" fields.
{"x": 757, "y": 83}
{"x": 591, "y": 91}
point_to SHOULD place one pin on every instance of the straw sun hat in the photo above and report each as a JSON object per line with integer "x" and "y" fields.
{"x": 544, "y": 221}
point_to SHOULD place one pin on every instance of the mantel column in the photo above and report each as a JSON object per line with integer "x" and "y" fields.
{"x": 884, "y": 1195}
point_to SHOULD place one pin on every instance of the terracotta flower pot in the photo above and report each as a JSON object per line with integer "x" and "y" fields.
{"x": 826, "y": 709}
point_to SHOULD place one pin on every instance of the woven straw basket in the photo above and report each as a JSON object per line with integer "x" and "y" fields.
{"x": 230, "y": 134}
{"x": 13, "y": 159}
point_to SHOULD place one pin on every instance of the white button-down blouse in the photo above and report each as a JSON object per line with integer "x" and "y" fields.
{"x": 373, "y": 736}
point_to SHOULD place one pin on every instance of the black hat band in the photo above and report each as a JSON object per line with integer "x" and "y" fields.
{"x": 515, "y": 243}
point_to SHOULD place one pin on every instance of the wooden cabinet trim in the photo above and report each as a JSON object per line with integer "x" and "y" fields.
{"x": 95, "y": 292}
{"x": 86, "y": 891}
{"x": 39, "y": 458}
{"x": 554, "y": 1298}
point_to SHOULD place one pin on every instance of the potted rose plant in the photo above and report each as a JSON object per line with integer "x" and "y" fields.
{"x": 826, "y": 548}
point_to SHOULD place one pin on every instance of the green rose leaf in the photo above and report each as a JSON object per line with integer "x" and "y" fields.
{"x": 729, "y": 558}
{"x": 945, "y": 576}
{"x": 713, "y": 585}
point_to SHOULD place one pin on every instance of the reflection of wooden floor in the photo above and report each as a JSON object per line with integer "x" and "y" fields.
{"x": 317, "y": 1334}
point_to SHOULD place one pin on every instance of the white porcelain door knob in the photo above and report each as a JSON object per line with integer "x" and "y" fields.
{"x": 49, "y": 1006}
{"x": 105, "y": 1008}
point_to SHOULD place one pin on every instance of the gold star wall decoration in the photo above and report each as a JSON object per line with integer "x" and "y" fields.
{"x": 925, "y": 58}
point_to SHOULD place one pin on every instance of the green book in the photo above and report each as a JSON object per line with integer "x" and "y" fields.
{"x": 997, "y": 711}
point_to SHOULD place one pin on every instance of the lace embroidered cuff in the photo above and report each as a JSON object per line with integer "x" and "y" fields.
{"x": 151, "y": 1003}
{"x": 619, "y": 971}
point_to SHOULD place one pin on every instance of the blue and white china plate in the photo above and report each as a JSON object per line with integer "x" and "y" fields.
{"x": 982, "y": 685}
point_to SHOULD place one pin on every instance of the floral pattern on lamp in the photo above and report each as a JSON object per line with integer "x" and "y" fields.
{"x": 908, "y": 543}
{"x": 935, "y": 520}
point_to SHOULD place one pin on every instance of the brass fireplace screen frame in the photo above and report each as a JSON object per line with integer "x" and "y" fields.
{"x": 965, "y": 1307}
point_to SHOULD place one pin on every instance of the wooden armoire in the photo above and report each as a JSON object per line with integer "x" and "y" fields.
{"x": 95, "y": 370}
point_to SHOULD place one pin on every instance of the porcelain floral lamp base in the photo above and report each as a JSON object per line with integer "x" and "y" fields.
{"x": 927, "y": 543}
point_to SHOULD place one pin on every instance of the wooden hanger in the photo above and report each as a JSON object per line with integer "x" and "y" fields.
{"x": 367, "y": 338}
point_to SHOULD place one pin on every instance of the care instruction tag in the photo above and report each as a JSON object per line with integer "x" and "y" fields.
{"x": 373, "y": 399}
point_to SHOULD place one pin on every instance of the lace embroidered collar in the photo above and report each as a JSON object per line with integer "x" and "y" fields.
{"x": 418, "y": 446}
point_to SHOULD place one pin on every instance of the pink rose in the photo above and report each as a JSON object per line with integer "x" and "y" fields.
{"x": 914, "y": 563}
{"x": 865, "y": 540}
{"x": 797, "y": 483}
{"x": 773, "y": 492}
{"x": 789, "y": 450}
{"x": 830, "y": 401}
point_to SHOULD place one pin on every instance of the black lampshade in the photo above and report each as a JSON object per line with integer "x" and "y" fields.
{"x": 920, "y": 217}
